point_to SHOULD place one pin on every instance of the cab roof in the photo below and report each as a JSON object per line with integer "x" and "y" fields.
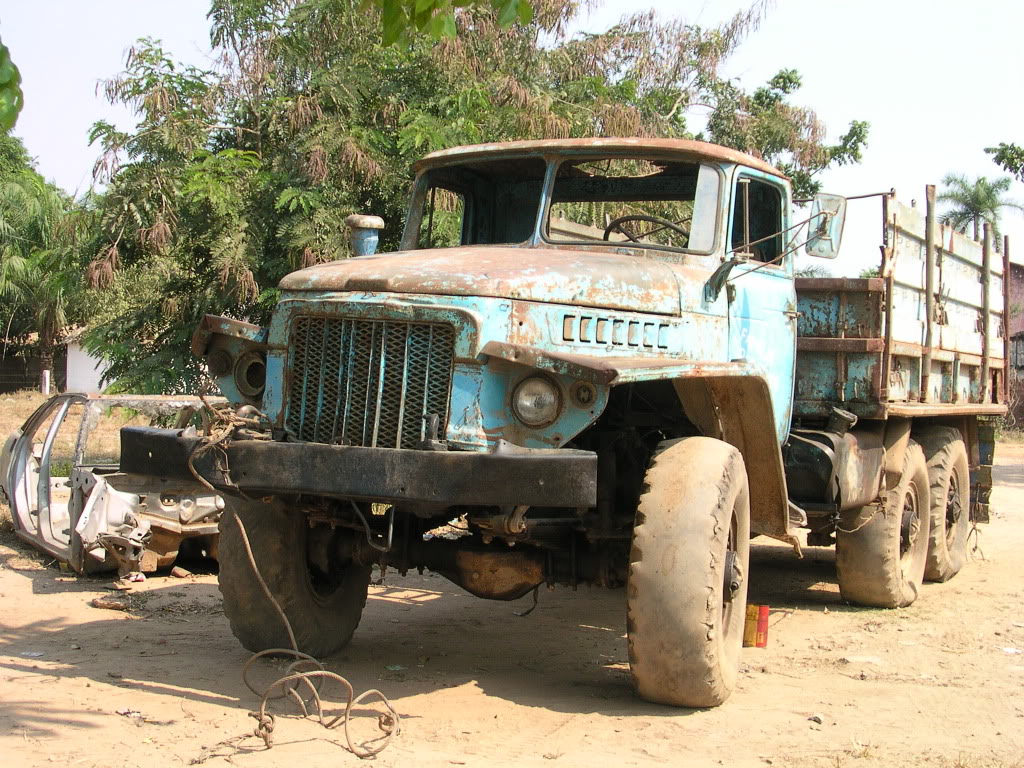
{"x": 685, "y": 147}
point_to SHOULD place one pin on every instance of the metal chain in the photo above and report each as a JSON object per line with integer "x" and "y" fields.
{"x": 223, "y": 424}
{"x": 879, "y": 507}
{"x": 388, "y": 722}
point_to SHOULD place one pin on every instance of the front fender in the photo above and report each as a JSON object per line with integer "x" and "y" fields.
{"x": 735, "y": 405}
{"x": 730, "y": 401}
{"x": 226, "y": 344}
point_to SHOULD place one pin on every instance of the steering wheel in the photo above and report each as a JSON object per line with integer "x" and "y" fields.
{"x": 616, "y": 224}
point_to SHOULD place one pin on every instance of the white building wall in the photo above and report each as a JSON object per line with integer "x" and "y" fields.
{"x": 84, "y": 371}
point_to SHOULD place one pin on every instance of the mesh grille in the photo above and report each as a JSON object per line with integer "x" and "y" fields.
{"x": 368, "y": 382}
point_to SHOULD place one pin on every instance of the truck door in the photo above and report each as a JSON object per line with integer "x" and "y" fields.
{"x": 760, "y": 291}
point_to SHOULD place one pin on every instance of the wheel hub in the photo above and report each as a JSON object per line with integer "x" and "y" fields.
{"x": 910, "y": 525}
{"x": 953, "y": 508}
{"x": 733, "y": 576}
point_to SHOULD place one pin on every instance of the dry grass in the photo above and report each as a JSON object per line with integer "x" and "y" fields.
{"x": 15, "y": 407}
{"x": 1010, "y": 435}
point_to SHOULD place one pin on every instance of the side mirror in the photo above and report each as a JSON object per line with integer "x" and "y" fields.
{"x": 828, "y": 214}
{"x": 365, "y": 233}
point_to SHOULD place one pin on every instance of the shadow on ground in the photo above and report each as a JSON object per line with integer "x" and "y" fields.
{"x": 419, "y": 635}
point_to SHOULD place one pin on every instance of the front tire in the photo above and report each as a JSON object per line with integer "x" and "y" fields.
{"x": 322, "y": 596}
{"x": 881, "y": 552}
{"x": 687, "y": 591}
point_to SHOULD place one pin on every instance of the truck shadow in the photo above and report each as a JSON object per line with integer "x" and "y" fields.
{"x": 779, "y": 578}
{"x": 419, "y": 636}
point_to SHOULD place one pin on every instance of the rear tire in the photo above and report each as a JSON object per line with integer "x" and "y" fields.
{"x": 323, "y": 602}
{"x": 949, "y": 479}
{"x": 687, "y": 591}
{"x": 881, "y": 552}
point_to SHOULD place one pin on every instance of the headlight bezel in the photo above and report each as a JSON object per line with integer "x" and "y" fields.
{"x": 552, "y": 412}
{"x": 242, "y": 368}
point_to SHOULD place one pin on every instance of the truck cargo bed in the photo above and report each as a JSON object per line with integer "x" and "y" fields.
{"x": 863, "y": 342}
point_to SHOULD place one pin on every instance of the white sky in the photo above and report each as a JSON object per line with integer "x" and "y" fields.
{"x": 937, "y": 82}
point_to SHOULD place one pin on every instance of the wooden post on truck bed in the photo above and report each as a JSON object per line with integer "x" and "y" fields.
{"x": 986, "y": 312}
{"x": 1006, "y": 320}
{"x": 887, "y": 270}
{"x": 929, "y": 292}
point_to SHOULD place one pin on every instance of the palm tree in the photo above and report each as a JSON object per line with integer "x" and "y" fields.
{"x": 40, "y": 235}
{"x": 972, "y": 203}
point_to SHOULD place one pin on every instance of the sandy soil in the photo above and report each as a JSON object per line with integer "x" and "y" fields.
{"x": 938, "y": 684}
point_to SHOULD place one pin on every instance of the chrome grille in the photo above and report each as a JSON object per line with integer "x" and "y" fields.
{"x": 368, "y": 382}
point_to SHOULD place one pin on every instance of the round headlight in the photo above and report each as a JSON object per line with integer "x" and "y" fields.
{"x": 536, "y": 401}
{"x": 251, "y": 374}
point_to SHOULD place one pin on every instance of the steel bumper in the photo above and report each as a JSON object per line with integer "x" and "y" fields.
{"x": 508, "y": 475}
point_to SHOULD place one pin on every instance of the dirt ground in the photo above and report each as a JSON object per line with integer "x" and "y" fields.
{"x": 937, "y": 684}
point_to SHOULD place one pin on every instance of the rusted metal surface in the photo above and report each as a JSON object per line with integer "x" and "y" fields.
{"x": 809, "y": 344}
{"x": 495, "y": 575}
{"x": 922, "y": 338}
{"x": 986, "y": 312}
{"x": 94, "y": 517}
{"x": 598, "y": 148}
{"x": 843, "y": 284}
{"x": 212, "y": 325}
{"x": 616, "y": 370}
{"x": 507, "y": 475}
{"x": 843, "y": 471}
{"x": 929, "y": 294}
{"x": 1005, "y": 377}
{"x": 741, "y": 410}
{"x": 365, "y": 233}
{"x": 551, "y": 275}
{"x": 848, "y": 309}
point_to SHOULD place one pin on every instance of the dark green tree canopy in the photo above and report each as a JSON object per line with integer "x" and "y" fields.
{"x": 1010, "y": 157}
{"x": 11, "y": 97}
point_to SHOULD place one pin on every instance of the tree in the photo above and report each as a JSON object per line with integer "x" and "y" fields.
{"x": 237, "y": 175}
{"x": 13, "y": 157}
{"x": 438, "y": 17}
{"x": 1009, "y": 157}
{"x": 11, "y": 97}
{"x": 764, "y": 123}
{"x": 41, "y": 235}
{"x": 972, "y": 203}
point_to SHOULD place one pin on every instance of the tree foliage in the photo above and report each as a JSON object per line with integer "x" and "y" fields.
{"x": 437, "y": 17}
{"x": 788, "y": 136}
{"x": 44, "y": 241}
{"x": 236, "y": 175}
{"x": 11, "y": 97}
{"x": 1010, "y": 157}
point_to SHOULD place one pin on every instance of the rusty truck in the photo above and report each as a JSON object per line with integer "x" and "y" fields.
{"x": 590, "y": 361}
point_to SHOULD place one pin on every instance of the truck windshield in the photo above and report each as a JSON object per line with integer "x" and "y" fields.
{"x": 609, "y": 202}
{"x": 637, "y": 202}
{"x": 484, "y": 202}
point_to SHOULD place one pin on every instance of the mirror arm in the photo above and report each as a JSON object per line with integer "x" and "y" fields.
{"x": 744, "y": 247}
{"x": 713, "y": 287}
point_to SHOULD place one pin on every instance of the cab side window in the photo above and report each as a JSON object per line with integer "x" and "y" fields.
{"x": 765, "y": 219}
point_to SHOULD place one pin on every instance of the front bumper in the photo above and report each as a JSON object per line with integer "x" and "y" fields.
{"x": 509, "y": 475}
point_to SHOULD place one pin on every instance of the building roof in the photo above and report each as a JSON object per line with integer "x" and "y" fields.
{"x": 599, "y": 145}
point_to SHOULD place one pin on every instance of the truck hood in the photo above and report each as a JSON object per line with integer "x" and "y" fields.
{"x": 553, "y": 275}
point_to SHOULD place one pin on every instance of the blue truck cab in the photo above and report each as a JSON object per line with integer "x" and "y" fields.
{"x": 584, "y": 351}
